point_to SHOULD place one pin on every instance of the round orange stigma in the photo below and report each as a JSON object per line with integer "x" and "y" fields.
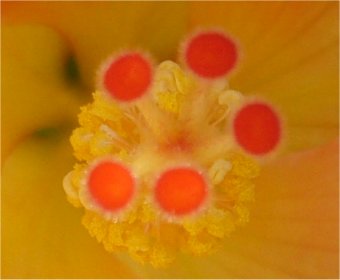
{"x": 111, "y": 185}
{"x": 210, "y": 54}
{"x": 257, "y": 128}
{"x": 180, "y": 191}
{"x": 128, "y": 77}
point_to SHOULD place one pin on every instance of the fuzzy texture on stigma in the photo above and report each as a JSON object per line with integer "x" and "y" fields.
{"x": 257, "y": 128}
{"x": 127, "y": 77}
{"x": 111, "y": 185}
{"x": 180, "y": 191}
{"x": 210, "y": 54}
{"x": 182, "y": 122}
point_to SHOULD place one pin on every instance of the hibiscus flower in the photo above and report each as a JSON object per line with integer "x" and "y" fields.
{"x": 51, "y": 52}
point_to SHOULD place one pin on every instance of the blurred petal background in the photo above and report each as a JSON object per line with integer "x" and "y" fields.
{"x": 50, "y": 53}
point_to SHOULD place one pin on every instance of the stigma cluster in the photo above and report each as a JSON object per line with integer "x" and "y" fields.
{"x": 167, "y": 154}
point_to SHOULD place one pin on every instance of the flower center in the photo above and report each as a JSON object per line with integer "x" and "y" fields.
{"x": 185, "y": 137}
{"x": 179, "y": 142}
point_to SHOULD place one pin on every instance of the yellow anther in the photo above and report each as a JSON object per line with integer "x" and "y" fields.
{"x": 201, "y": 244}
{"x": 80, "y": 140}
{"x": 194, "y": 226}
{"x": 104, "y": 109}
{"x": 218, "y": 171}
{"x": 230, "y": 97}
{"x": 137, "y": 239}
{"x": 71, "y": 190}
{"x": 96, "y": 225}
{"x": 171, "y": 85}
{"x": 221, "y": 223}
{"x": 161, "y": 256}
{"x": 148, "y": 214}
{"x": 243, "y": 166}
{"x": 114, "y": 237}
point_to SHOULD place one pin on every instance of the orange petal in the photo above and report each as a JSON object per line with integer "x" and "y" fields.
{"x": 42, "y": 236}
{"x": 95, "y": 30}
{"x": 290, "y": 57}
{"x": 295, "y": 220}
{"x": 293, "y": 229}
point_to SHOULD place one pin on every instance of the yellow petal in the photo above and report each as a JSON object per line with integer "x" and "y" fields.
{"x": 289, "y": 56}
{"x": 293, "y": 229}
{"x": 95, "y": 30}
{"x": 42, "y": 236}
{"x": 35, "y": 93}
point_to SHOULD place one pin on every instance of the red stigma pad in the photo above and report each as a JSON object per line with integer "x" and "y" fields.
{"x": 128, "y": 77}
{"x": 257, "y": 128}
{"x": 111, "y": 185}
{"x": 180, "y": 191}
{"x": 211, "y": 54}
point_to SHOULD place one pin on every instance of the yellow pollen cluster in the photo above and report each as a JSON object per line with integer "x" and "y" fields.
{"x": 145, "y": 136}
